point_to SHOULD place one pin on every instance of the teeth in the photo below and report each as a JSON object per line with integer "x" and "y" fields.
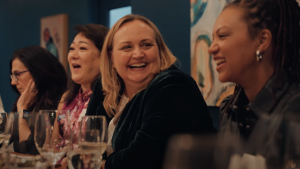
{"x": 138, "y": 64}
{"x": 220, "y": 61}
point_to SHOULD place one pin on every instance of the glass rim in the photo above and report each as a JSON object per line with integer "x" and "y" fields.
{"x": 94, "y": 116}
{"x": 41, "y": 111}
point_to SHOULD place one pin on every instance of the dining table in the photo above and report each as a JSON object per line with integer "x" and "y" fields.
{"x": 57, "y": 166}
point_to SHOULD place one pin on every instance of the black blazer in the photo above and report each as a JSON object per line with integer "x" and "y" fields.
{"x": 171, "y": 104}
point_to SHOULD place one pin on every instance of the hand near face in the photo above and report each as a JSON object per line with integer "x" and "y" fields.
{"x": 28, "y": 94}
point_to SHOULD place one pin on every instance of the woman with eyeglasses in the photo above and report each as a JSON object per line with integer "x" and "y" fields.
{"x": 40, "y": 80}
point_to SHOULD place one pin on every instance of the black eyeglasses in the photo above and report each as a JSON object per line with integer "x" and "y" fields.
{"x": 14, "y": 76}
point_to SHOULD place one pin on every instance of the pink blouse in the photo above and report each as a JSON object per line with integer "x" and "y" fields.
{"x": 77, "y": 110}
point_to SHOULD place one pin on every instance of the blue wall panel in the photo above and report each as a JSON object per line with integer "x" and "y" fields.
{"x": 20, "y": 27}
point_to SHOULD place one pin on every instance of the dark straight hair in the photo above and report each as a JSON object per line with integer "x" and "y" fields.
{"x": 48, "y": 75}
{"x": 96, "y": 33}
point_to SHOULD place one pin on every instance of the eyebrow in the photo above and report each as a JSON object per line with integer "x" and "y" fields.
{"x": 221, "y": 28}
{"x": 125, "y": 42}
{"x": 17, "y": 71}
{"x": 146, "y": 40}
{"x": 82, "y": 42}
{"x": 141, "y": 41}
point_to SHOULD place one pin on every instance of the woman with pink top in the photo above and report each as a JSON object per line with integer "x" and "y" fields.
{"x": 83, "y": 58}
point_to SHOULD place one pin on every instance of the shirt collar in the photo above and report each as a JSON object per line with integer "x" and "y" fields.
{"x": 267, "y": 98}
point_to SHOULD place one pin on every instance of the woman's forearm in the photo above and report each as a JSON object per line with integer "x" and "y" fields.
{"x": 24, "y": 130}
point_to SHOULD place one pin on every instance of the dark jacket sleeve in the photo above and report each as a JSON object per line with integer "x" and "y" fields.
{"x": 96, "y": 99}
{"x": 174, "y": 106}
{"x": 95, "y": 106}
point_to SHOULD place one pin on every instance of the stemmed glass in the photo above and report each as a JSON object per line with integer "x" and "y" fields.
{"x": 6, "y": 128}
{"x": 92, "y": 140}
{"x": 93, "y": 133}
{"x": 50, "y": 145}
{"x": 203, "y": 151}
{"x": 3, "y": 119}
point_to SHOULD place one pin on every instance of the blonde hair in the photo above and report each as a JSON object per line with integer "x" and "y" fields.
{"x": 111, "y": 81}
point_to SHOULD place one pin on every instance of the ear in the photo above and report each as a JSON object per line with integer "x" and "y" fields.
{"x": 112, "y": 58}
{"x": 265, "y": 39}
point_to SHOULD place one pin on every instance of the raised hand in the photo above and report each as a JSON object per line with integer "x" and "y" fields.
{"x": 27, "y": 96}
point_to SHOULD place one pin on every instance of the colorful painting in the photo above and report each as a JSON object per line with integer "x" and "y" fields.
{"x": 1, "y": 106}
{"x": 54, "y": 36}
{"x": 203, "y": 69}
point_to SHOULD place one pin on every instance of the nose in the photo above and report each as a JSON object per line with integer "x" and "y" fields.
{"x": 13, "y": 82}
{"x": 138, "y": 53}
{"x": 73, "y": 54}
{"x": 213, "y": 49}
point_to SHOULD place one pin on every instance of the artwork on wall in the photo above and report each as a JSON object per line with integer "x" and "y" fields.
{"x": 54, "y": 36}
{"x": 203, "y": 69}
{"x": 1, "y": 106}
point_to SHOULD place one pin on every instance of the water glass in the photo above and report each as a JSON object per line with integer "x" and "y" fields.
{"x": 51, "y": 146}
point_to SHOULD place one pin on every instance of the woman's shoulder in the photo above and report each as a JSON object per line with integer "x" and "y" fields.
{"x": 96, "y": 99}
{"x": 292, "y": 106}
{"x": 62, "y": 101}
{"x": 225, "y": 103}
{"x": 172, "y": 75}
{"x": 98, "y": 86}
{"x": 64, "y": 96}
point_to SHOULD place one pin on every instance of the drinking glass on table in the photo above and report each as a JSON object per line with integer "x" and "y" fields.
{"x": 188, "y": 151}
{"x": 51, "y": 146}
{"x": 92, "y": 140}
{"x": 93, "y": 133}
{"x": 6, "y": 128}
{"x": 3, "y": 118}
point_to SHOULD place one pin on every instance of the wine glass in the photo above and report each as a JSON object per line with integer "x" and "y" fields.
{"x": 92, "y": 141}
{"x": 93, "y": 133}
{"x": 213, "y": 151}
{"x": 6, "y": 129}
{"x": 50, "y": 145}
{"x": 3, "y": 119}
{"x": 84, "y": 159}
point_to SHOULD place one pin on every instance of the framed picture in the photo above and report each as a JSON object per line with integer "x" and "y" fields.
{"x": 203, "y": 69}
{"x": 54, "y": 36}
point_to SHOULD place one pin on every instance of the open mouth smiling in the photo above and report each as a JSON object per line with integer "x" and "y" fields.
{"x": 137, "y": 65}
{"x": 220, "y": 61}
{"x": 76, "y": 66}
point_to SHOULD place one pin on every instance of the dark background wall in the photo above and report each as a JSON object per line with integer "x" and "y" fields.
{"x": 20, "y": 26}
{"x": 172, "y": 17}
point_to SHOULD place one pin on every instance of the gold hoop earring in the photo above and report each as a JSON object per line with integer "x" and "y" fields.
{"x": 258, "y": 56}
